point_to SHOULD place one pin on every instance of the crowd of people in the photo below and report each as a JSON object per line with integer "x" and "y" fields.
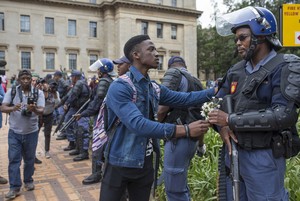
{"x": 258, "y": 115}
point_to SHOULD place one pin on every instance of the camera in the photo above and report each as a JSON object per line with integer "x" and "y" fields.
{"x": 40, "y": 81}
{"x": 53, "y": 87}
{"x": 25, "y": 112}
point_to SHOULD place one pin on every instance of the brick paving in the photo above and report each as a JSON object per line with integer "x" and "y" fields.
{"x": 56, "y": 179}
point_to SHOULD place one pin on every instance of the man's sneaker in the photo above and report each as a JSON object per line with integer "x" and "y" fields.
{"x": 37, "y": 161}
{"x": 3, "y": 180}
{"x": 12, "y": 193}
{"x": 29, "y": 186}
{"x": 47, "y": 155}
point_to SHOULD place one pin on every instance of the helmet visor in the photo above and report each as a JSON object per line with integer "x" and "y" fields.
{"x": 226, "y": 22}
{"x": 96, "y": 65}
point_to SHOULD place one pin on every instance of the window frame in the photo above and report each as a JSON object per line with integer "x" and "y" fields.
{"x": 25, "y": 23}
{"x": 144, "y": 29}
{"x": 159, "y": 30}
{"x": 2, "y": 21}
{"x": 93, "y": 29}
{"x": 72, "y": 62}
{"x": 50, "y": 28}
{"x": 51, "y": 62}
{"x": 73, "y": 28}
{"x": 26, "y": 60}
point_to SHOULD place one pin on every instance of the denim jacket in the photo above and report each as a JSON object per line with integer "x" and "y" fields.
{"x": 128, "y": 146}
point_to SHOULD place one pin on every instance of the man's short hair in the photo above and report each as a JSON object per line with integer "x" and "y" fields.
{"x": 132, "y": 42}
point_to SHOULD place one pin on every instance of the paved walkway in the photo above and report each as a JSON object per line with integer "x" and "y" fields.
{"x": 56, "y": 179}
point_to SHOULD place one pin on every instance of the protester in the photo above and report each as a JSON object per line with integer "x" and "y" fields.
{"x": 179, "y": 152}
{"x": 2, "y": 179}
{"x": 51, "y": 101}
{"x": 24, "y": 107}
{"x": 264, "y": 111}
{"x": 134, "y": 102}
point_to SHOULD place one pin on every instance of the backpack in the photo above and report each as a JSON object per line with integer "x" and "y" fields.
{"x": 100, "y": 129}
{"x": 14, "y": 91}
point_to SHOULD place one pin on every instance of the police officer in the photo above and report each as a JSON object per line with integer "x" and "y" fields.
{"x": 62, "y": 88}
{"x": 262, "y": 102}
{"x": 104, "y": 68}
{"x": 78, "y": 131}
{"x": 177, "y": 78}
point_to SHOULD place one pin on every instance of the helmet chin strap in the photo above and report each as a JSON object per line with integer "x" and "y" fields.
{"x": 254, "y": 42}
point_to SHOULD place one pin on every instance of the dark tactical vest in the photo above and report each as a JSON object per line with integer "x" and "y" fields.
{"x": 244, "y": 98}
{"x": 186, "y": 115}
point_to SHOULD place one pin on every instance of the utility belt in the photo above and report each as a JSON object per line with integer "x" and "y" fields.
{"x": 282, "y": 144}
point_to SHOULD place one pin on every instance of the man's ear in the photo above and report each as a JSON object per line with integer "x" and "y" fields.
{"x": 135, "y": 55}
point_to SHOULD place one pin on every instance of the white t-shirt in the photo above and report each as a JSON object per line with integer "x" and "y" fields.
{"x": 19, "y": 123}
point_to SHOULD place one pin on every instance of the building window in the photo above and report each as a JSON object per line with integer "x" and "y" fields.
{"x": 25, "y": 23}
{"x": 49, "y": 25}
{"x": 25, "y": 60}
{"x": 2, "y": 55}
{"x": 72, "y": 27}
{"x": 92, "y": 1}
{"x": 174, "y": 3}
{"x": 161, "y": 61}
{"x": 159, "y": 1}
{"x": 1, "y": 21}
{"x": 50, "y": 61}
{"x": 144, "y": 28}
{"x": 159, "y": 32}
{"x": 72, "y": 61}
{"x": 93, "y": 29}
{"x": 93, "y": 58}
{"x": 174, "y": 31}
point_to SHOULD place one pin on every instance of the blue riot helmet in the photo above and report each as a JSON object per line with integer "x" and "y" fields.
{"x": 260, "y": 21}
{"x": 105, "y": 65}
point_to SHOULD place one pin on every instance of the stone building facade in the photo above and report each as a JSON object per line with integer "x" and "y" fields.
{"x": 48, "y": 35}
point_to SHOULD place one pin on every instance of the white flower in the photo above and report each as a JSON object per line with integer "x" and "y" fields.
{"x": 207, "y": 107}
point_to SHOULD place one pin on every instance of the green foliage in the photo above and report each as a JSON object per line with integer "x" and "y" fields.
{"x": 215, "y": 53}
{"x": 202, "y": 175}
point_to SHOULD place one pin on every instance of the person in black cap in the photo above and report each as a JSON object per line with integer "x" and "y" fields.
{"x": 24, "y": 108}
{"x": 123, "y": 65}
{"x": 179, "y": 152}
{"x": 51, "y": 101}
{"x": 78, "y": 131}
{"x": 132, "y": 103}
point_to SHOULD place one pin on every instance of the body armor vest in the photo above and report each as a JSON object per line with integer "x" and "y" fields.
{"x": 245, "y": 100}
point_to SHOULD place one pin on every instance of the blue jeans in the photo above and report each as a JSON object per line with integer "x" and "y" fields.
{"x": 21, "y": 146}
{"x": 177, "y": 157}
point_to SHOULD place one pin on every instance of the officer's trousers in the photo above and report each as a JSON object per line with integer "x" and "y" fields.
{"x": 262, "y": 176}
